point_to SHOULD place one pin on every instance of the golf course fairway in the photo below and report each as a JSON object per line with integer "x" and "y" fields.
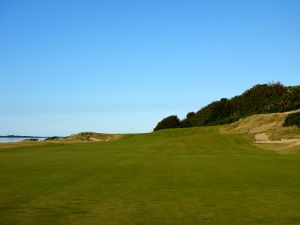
{"x": 176, "y": 176}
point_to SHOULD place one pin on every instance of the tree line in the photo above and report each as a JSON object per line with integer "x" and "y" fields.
{"x": 261, "y": 98}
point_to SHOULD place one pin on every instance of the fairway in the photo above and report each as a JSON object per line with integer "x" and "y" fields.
{"x": 176, "y": 176}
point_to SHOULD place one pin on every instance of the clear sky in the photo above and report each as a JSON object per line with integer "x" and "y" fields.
{"x": 121, "y": 66}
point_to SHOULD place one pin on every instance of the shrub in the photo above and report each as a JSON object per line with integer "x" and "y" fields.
{"x": 190, "y": 115}
{"x": 185, "y": 123}
{"x": 52, "y": 138}
{"x": 168, "y": 122}
{"x": 292, "y": 119}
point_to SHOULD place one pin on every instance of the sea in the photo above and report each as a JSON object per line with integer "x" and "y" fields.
{"x": 17, "y": 139}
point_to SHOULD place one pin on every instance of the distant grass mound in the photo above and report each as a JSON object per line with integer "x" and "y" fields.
{"x": 91, "y": 136}
{"x": 75, "y": 138}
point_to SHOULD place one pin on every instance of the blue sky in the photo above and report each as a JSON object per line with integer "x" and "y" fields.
{"x": 121, "y": 66}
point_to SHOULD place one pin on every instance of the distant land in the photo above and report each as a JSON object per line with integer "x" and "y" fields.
{"x": 21, "y": 136}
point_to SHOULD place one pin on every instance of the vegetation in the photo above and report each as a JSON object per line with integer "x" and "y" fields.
{"x": 168, "y": 122}
{"x": 92, "y": 136}
{"x": 54, "y": 138}
{"x": 265, "y": 98}
{"x": 292, "y": 119}
{"x": 31, "y": 139}
{"x": 270, "y": 124}
{"x": 177, "y": 176}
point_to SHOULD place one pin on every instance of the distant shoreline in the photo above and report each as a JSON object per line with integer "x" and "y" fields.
{"x": 21, "y": 136}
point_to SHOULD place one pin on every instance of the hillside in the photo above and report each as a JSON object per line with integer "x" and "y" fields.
{"x": 263, "y": 98}
{"x": 267, "y": 129}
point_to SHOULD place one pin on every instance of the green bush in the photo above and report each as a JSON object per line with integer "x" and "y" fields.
{"x": 168, "y": 122}
{"x": 54, "y": 138}
{"x": 292, "y": 119}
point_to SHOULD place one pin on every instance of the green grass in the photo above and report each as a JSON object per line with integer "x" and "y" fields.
{"x": 179, "y": 176}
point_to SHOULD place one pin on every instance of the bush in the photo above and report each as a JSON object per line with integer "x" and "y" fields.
{"x": 168, "y": 122}
{"x": 185, "y": 123}
{"x": 54, "y": 138}
{"x": 292, "y": 119}
{"x": 190, "y": 115}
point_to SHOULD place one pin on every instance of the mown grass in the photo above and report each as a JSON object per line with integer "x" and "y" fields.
{"x": 178, "y": 176}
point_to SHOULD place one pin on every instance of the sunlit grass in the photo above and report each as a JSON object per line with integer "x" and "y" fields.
{"x": 178, "y": 176}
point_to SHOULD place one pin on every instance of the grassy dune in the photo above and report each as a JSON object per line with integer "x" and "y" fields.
{"x": 91, "y": 136}
{"x": 178, "y": 176}
{"x": 271, "y": 124}
{"x": 287, "y": 139}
